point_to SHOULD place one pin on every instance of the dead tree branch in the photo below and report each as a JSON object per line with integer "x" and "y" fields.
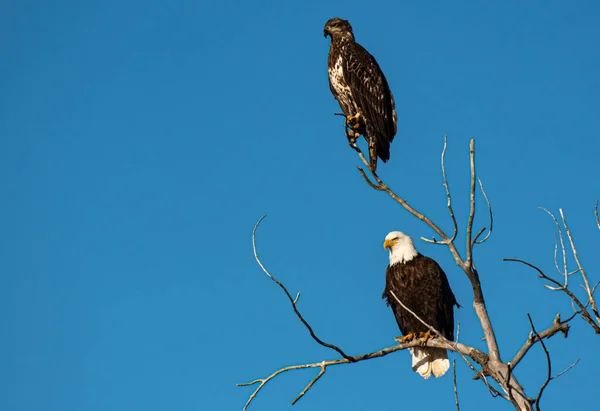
{"x": 293, "y": 301}
{"x": 582, "y": 308}
{"x": 582, "y": 272}
{"x": 489, "y": 205}
{"x": 447, "y": 187}
{"x": 556, "y": 327}
{"x": 548, "y": 362}
{"x": 591, "y": 315}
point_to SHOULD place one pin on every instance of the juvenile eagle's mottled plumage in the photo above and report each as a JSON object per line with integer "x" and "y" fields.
{"x": 421, "y": 285}
{"x": 359, "y": 86}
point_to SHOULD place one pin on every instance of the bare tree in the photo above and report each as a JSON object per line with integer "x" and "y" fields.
{"x": 497, "y": 375}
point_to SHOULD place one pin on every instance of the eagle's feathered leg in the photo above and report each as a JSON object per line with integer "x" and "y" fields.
{"x": 372, "y": 153}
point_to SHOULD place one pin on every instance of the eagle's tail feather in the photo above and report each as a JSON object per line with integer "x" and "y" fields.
{"x": 383, "y": 148}
{"x": 428, "y": 361}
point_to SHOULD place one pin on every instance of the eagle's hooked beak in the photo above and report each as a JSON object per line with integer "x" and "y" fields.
{"x": 389, "y": 244}
{"x": 325, "y": 32}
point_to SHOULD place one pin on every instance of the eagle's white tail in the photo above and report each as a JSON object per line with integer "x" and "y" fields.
{"x": 429, "y": 361}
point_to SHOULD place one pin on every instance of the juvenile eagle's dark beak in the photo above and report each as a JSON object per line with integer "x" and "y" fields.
{"x": 325, "y": 32}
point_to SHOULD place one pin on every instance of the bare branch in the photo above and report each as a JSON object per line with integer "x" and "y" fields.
{"x": 292, "y": 300}
{"x": 455, "y": 389}
{"x": 556, "y": 327}
{"x": 582, "y": 308}
{"x": 588, "y": 290}
{"x": 489, "y": 205}
{"x": 438, "y": 343}
{"x": 548, "y": 361}
{"x": 562, "y": 246}
{"x": 454, "y": 370}
{"x": 469, "y": 247}
{"x": 369, "y": 182}
{"x": 566, "y": 369}
{"x": 448, "y": 196}
{"x": 311, "y": 383}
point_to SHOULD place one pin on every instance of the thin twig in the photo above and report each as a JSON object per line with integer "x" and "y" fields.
{"x": 489, "y": 205}
{"x": 591, "y": 299}
{"x": 597, "y": 216}
{"x": 311, "y": 383}
{"x": 564, "y": 271}
{"x": 556, "y": 327}
{"x": 582, "y": 308}
{"x": 293, "y": 301}
{"x": 448, "y": 196}
{"x": 455, "y": 389}
{"x": 566, "y": 369}
{"x": 548, "y": 361}
{"x": 469, "y": 245}
{"x": 454, "y": 370}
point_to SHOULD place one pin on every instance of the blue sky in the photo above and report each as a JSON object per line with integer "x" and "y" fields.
{"x": 141, "y": 141}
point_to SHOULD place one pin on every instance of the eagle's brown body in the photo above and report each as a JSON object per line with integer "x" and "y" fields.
{"x": 359, "y": 86}
{"x": 422, "y": 286}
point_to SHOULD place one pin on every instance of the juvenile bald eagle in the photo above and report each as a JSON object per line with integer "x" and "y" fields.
{"x": 359, "y": 86}
{"x": 422, "y": 286}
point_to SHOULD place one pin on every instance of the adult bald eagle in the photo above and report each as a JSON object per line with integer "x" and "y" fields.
{"x": 359, "y": 86}
{"x": 422, "y": 286}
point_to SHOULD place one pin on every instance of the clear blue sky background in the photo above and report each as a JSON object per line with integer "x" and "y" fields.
{"x": 141, "y": 140}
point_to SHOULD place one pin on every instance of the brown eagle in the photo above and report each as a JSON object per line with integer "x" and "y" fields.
{"x": 359, "y": 86}
{"x": 422, "y": 286}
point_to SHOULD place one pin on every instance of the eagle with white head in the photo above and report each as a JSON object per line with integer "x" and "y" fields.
{"x": 422, "y": 286}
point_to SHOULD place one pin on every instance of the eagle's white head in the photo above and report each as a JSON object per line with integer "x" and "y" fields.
{"x": 401, "y": 247}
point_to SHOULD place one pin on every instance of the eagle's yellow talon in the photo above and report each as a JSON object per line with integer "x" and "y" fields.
{"x": 406, "y": 338}
{"x": 426, "y": 336}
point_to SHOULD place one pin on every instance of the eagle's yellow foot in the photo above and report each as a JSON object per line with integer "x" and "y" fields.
{"x": 355, "y": 122}
{"x": 406, "y": 338}
{"x": 426, "y": 336}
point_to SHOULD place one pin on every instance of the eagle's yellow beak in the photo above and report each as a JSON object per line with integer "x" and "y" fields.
{"x": 388, "y": 244}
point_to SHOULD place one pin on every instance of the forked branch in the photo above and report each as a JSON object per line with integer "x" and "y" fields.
{"x": 586, "y": 308}
{"x": 293, "y": 301}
